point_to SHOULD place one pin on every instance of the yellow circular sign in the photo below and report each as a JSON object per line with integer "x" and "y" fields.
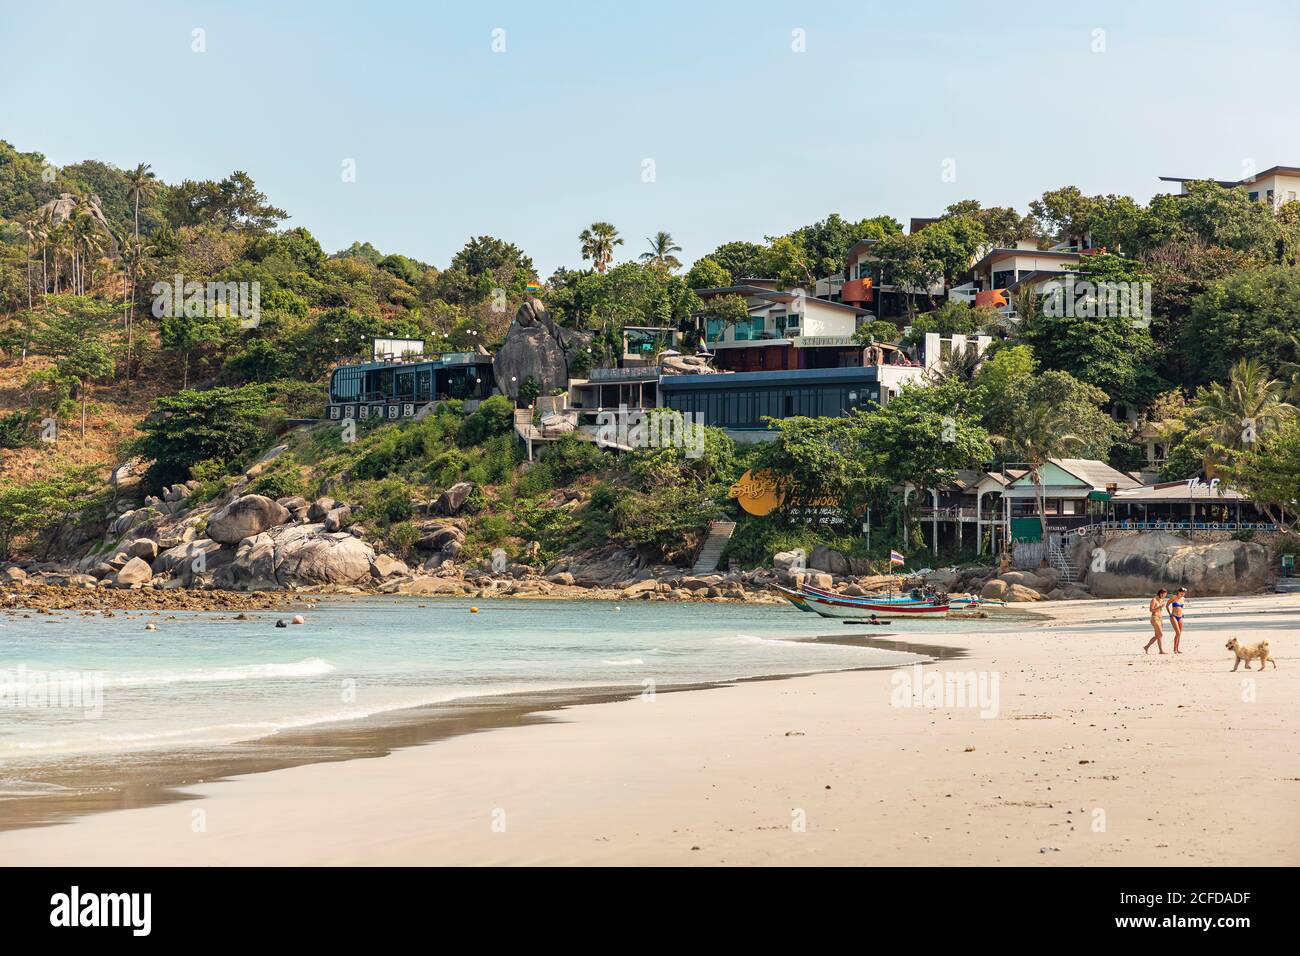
{"x": 757, "y": 493}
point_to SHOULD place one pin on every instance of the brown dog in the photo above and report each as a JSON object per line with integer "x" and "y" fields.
{"x": 1250, "y": 652}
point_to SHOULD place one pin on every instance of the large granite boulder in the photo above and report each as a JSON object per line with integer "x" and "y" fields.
{"x": 1138, "y": 565}
{"x": 135, "y": 571}
{"x": 536, "y": 348}
{"x": 828, "y": 560}
{"x": 244, "y": 517}
{"x": 453, "y": 499}
{"x": 253, "y": 567}
{"x": 307, "y": 554}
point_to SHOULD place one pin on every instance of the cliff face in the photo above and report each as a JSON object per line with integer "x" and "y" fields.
{"x": 536, "y": 348}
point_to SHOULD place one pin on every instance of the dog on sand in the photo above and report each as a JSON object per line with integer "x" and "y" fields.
{"x": 1250, "y": 652}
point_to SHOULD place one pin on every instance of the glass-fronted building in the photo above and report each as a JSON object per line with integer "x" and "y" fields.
{"x": 400, "y": 389}
{"x": 741, "y": 401}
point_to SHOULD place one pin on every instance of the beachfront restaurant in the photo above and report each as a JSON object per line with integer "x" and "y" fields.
{"x": 1185, "y": 506}
{"x": 1076, "y": 492}
{"x": 398, "y": 388}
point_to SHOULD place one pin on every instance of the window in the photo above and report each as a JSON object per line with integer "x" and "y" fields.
{"x": 713, "y": 330}
{"x": 1255, "y": 194}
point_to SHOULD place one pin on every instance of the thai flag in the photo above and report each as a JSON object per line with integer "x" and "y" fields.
{"x": 896, "y": 558}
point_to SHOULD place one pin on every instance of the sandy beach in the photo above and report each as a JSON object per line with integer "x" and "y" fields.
{"x": 1097, "y": 755}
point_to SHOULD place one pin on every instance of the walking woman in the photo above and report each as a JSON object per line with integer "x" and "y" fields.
{"x": 1157, "y": 606}
{"x": 1176, "y": 615}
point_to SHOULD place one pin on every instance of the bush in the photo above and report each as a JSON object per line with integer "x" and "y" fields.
{"x": 495, "y": 416}
{"x": 221, "y": 424}
{"x": 281, "y": 483}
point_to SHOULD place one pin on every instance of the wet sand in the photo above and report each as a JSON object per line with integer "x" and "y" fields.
{"x": 1098, "y": 755}
{"x": 80, "y": 785}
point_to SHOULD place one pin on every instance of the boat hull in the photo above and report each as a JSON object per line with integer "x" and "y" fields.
{"x": 840, "y": 607}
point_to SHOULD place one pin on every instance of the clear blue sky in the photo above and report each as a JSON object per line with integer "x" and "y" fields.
{"x": 748, "y": 137}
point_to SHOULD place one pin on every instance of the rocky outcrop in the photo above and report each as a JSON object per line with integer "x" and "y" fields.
{"x": 307, "y": 554}
{"x": 536, "y": 348}
{"x": 1140, "y": 564}
{"x": 828, "y": 560}
{"x": 135, "y": 571}
{"x": 245, "y": 517}
{"x": 453, "y": 499}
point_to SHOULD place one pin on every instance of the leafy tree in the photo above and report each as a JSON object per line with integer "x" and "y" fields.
{"x": 1002, "y": 225}
{"x": 788, "y": 263}
{"x": 741, "y": 260}
{"x": 489, "y": 254}
{"x": 73, "y": 330}
{"x": 707, "y": 274}
{"x": 1269, "y": 474}
{"x": 826, "y": 244}
{"x": 1082, "y": 331}
{"x": 29, "y": 508}
{"x": 232, "y": 203}
{"x": 1252, "y": 313}
{"x": 220, "y": 424}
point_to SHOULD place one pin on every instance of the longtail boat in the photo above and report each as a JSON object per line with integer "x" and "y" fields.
{"x": 839, "y": 606}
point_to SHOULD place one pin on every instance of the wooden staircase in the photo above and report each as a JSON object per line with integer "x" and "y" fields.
{"x": 720, "y": 532}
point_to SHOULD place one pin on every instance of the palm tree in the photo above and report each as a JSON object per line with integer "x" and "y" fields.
{"x": 962, "y": 365}
{"x": 47, "y": 230}
{"x": 135, "y": 254}
{"x": 598, "y": 244}
{"x": 139, "y": 180}
{"x": 661, "y": 251}
{"x": 1239, "y": 412}
{"x": 1038, "y": 435}
{"x": 88, "y": 244}
{"x": 32, "y": 234}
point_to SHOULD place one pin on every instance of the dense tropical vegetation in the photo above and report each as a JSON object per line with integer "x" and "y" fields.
{"x": 1215, "y": 373}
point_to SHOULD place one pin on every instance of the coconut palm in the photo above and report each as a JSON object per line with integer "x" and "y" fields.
{"x": 1039, "y": 434}
{"x": 598, "y": 244}
{"x": 961, "y": 365}
{"x": 88, "y": 245}
{"x": 46, "y": 218}
{"x": 661, "y": 251}
{"x": 135, "y": 255}
{"x": 139, "y": 180}
{"x": 1237, "y": 413}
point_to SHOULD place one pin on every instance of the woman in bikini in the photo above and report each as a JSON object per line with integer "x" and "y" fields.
{"x": 1176, "y": 616}
{"x": 1157, "y": 605}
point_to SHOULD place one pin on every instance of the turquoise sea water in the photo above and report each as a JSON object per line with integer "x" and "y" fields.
{"x": 205, "y": 678}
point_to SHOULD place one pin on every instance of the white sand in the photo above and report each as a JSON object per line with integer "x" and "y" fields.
{"x": 1180, "y": 769}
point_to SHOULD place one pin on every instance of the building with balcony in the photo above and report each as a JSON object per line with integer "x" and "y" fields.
{"x": 784, "y": 331}
{"x": 1276, "y": 185}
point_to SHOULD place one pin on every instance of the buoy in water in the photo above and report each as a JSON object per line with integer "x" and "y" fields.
{"x": 473, "y": 610}
{"x": 281, "y": 623}
{"x": 297, "y": 619}
{"x": 151, "y": 627}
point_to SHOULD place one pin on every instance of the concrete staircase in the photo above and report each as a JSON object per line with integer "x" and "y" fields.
{"x": 1287, "y": 586}
{"x": 720, "y": 533}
